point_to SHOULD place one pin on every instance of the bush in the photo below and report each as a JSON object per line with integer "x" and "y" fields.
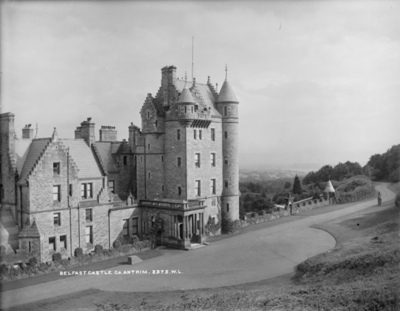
{"x": 117, "y": 244}
{"x": 134, "y": 239}
{"x": 33, "y": 261}
{"x": 397, "y": 200}
{"x": 98, "y": 249}
{"x": 2, "y": 250}
{"x": 56, "y": 257}
{"x": 78, "y": 252}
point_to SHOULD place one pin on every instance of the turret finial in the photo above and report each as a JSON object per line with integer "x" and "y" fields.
{"x": 226, "y": 72}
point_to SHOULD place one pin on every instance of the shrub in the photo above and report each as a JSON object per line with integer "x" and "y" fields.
{"x": 134, "y": 239}
{"x": 78, "y": 252}
{"x": 2, "y": 250}
{"x": 228, "y": 225}
{"x": 397, "y": 200}
{"x": 56, "y": 257}
{"x": 117, "y": 244}
{"x": 33, "y": 261}
{"x": 98, "y": 249}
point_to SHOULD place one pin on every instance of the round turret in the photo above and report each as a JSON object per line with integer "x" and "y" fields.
{"x": 186, "y": 107}
{"x": 227, "y": 105}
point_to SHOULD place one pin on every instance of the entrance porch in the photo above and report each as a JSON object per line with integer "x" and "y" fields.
{"x": 174, "y": 223}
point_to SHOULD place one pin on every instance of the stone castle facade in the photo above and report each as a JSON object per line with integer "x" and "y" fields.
{"x": 174, "y": 179}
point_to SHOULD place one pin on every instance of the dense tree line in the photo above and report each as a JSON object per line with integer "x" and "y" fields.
{"x": 350, "y": 179}
{"x": 339, "y": 172}
{"x": 384, "y": 166}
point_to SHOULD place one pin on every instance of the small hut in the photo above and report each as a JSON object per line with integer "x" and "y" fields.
{"x": 330, "y": 191}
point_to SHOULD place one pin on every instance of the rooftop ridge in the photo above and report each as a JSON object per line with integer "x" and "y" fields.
{"x": 98, "y": 159}
{"x": 71, "y": 160}
{"x": 39, "y": 159}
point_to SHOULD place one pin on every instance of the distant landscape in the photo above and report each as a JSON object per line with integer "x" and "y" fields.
{"x": 253, "y": 175}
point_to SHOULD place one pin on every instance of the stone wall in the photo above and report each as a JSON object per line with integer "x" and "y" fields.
{"x": 297, "y": 207}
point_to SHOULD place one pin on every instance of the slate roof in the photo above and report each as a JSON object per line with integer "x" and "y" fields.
{"x": 35, "y": 151}
{"x": 329, "y": 187}
{"x": 227, "y": 94}
{"x": 30, "y": 231}
{"x": 21, "y": 151}
{"x": 207, "y": 96}
{"x": 105, "y": 150}
{"x": 83, "y": 157}
{"x": 186, "y": 96}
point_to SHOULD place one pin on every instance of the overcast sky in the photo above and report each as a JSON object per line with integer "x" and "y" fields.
{"x": 318, "y": 82}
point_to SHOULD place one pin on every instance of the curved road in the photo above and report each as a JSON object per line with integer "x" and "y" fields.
{"x": 249, "y": 257}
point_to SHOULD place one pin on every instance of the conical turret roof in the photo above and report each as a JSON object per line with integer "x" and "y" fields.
{"x": 186, "y": 97}
{"x": 227, "y": 94}
{"x": 329, "y": 187}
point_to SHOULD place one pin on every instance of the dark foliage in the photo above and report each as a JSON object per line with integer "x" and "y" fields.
{"x": 297, "y": 186}
{"x": 56, "y": 257}
{"x": 78, "y": 252}
{"x": 385, "y": 166}
{"x": 98, "y": 249}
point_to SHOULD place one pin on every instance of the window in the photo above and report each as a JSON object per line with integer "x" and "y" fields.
{"x": 87, "y": 191}
{"x": 56, "y": 168}
{"x": 149, "y": 175}
{"x": 226, "y": 183}
{"x": 225, "y": 111}
{"x": 56, "y": 193}
{"x": 70, "y": 190}
{"x": 111, "y": 186}
{"x": 197, "y": 187}
{"x": 125, "y": 158}
{"x": 162, "y": 188}
{"x": 200, "y": 134}
{"x": 179, "y": 190}
{"x": 63, "y": 241}
{"x": 197, "y": 159}
{"x": 226, "y": 135}
{"x": 213, "y": 183}
{"x": 135, "y": 226}
{"x": 227, "y": 207}
{"x": 179, "y": 161}
{"x": 156, "y": 123}
{"x": 89, "y": 214}
{"x": 162, "y": 158}
{"x": 52, "y": 243}
{"x": 89, "y": 234}
{"x": 212, "y": 159}
{"x": 57, "y": 219}
{"x": 148, "y": 147}
{"x": 195, "y": 134}
{"x": 213, "y": 134}
{"x": 226, "y": 160}
{"x": 148, "y": 114}
{"x": 178, "y": 134}
{"x": 125, "y": 229}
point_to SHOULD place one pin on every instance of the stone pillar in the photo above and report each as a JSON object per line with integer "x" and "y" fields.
{"x": 185, "y": 227}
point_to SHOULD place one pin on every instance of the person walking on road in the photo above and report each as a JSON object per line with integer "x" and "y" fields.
{"x": 379, "y": 199}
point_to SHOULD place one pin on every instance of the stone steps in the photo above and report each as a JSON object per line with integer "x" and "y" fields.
{"x": 9, "y": 231}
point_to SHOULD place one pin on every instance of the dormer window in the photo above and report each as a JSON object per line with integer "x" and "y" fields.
{"x": 148, "y": 114}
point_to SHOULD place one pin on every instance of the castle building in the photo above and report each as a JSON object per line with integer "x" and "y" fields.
{"x": 175, "y": 178}
{"x": 187, "y": 159}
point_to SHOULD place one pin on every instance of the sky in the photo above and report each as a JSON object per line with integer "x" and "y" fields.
{"x": 318, "y": 81}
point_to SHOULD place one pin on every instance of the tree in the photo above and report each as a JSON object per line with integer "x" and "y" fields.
{"x": 297, "y": 186}
{"x": 288, "y": 184}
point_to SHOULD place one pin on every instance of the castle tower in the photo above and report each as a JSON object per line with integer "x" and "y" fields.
{"x": 227, "y": 105}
